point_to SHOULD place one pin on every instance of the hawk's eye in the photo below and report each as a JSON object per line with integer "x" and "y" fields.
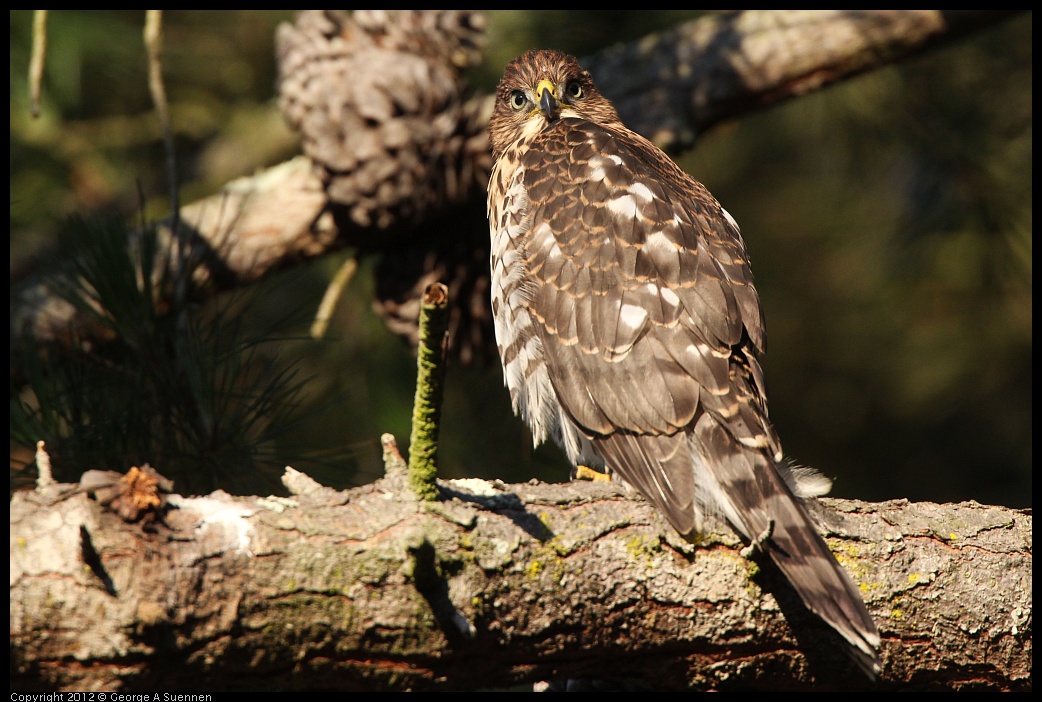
{"x": 574, "y": 90}
{"x": 518, "y": 99}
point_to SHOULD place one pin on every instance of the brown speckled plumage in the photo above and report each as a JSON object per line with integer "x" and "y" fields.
{"x": 629, "y": 327}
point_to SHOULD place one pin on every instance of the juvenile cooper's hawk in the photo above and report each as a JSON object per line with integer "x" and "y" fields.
{"x": 629, "y": 327}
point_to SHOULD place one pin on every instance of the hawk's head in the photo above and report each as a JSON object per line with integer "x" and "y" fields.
{"x": 540, "y": 87}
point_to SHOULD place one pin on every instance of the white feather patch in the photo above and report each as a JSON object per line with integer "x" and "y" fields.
{"x": 624, "y": 207}
{"x": 633, "y": 316}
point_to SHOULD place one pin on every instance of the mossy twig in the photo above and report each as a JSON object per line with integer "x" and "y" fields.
{"x": 426, "y": 411}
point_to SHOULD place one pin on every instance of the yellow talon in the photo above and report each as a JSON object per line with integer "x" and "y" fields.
{"x": 586, "y": 473}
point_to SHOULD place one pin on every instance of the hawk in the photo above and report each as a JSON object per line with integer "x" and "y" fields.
{"x": 629, "y": 328}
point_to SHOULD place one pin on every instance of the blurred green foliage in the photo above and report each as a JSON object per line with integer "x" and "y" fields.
{"x": 189, "y": 389}
{"x": 889, "y": 221}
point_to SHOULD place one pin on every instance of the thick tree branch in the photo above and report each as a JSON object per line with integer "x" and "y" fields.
{"x": 491, "y": 586}
{"x": 677, "y": 84}
{"x": 670, "y": 86}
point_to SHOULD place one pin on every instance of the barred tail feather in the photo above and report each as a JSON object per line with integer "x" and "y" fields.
{"x": 757, "y": 501}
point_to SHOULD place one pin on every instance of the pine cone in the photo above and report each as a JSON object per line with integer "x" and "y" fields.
{"x": 378, "y": 99}
{"x": 459, "y": 259}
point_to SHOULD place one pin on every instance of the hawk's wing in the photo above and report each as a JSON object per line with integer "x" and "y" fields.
{"x": 641, "y": 294}
{"x": 644, "y": 300}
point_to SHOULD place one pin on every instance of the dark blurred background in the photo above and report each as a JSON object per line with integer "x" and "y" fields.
{"x": 888, "y": 219}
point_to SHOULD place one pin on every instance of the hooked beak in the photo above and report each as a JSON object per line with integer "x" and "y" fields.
{"x": 548, "y": 103}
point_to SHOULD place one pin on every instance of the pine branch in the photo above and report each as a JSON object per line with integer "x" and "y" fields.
{"x": 492, "y": 586}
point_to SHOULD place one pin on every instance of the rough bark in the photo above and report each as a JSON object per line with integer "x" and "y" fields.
{"x": 494, "y": 586}
{"x": 677, "y": 84}
{"x": 670, "y": 87}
